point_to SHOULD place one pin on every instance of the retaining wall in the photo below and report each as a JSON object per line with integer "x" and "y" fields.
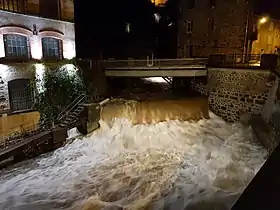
{"x": 233, "y": 92}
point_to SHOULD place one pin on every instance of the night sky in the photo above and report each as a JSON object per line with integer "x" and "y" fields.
{"x": 269, "y": 7}
{"x": 101, "y": 24}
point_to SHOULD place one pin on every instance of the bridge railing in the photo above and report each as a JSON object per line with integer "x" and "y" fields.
{"x": 234, "y": 60}
{"x": 156, "y": 63}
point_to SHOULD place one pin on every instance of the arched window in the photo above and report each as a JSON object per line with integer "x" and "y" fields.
{"x": 51, "y": 47}
{"x": 16, "y": 45}
{"x": 21, "y": 95}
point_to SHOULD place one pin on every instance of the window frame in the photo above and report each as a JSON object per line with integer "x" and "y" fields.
{"x": 6, "y": 46}
{"x": 188, "y": 26}
{"x": 60, "y": 49}
{"x": 211, "y": 24}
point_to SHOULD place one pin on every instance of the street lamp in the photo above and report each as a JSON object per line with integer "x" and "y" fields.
{"x": 263, "y": 20}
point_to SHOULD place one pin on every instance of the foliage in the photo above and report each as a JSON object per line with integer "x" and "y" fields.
{"x": 59, "y": 88}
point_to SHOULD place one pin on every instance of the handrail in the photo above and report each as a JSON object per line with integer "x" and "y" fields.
{"x": 162, "y": 59}
{"x": 8, "y": 138}
{"x": 69, "y": 106}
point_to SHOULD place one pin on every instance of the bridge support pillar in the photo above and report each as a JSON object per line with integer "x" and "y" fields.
{"x": 89, "y": 118}
{"x": 181, "y": 84}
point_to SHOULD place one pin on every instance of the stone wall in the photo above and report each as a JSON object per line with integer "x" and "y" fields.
{"x": 233, "y": 92}
{"x": 216, "y": 28}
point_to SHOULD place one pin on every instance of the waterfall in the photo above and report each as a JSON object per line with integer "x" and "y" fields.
{"x": 270, "y": 104}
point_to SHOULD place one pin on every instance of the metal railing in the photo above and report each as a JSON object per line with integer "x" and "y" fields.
{"x": 67, "y": 110}
{"x": 154, "y": 63}
{"x": 234, "y": 60}
{"x": 13, "y": 137}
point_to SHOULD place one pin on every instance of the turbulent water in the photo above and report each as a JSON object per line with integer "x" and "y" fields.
{"x": 164, "y": 165}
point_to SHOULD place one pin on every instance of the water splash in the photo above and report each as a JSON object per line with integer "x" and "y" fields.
{"x": 165, "y": 165}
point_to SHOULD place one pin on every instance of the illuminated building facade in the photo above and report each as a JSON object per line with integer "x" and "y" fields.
{"x": 31, "y": 31}
{"x": 268, "y": 40}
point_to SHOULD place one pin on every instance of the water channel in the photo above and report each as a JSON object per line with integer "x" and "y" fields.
{"x": 157, "y": 158}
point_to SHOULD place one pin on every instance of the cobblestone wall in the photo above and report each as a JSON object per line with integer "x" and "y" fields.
{"x": 234, "y": 92}
{"x": 217, "y": 27}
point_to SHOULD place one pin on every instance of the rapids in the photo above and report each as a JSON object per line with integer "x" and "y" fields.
{"x": 176, "y": 164}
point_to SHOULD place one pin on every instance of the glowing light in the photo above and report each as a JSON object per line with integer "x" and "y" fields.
{"x": 70, "y": 68}
{"x": 36, "y": 48}
{"x": 39, "y": 71}
{"x": 4, "y": 69}
{"x": 127, "y": 28}
{"x": 157, "y": 17}
{"x": 69, "y": 50}
{"x": 159, "y": 2}
{"x": 155, "y": 79}
{"x": 263, "y": 20}
{"x": 2, "y": 48}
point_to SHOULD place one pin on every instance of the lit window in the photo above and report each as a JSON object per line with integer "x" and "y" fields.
{"x": 210, "y": 24}
{"x": 16, "y": 45}
{"x": 51, "y": 47}
{"x": 271, "y": 26}
{"x": 189, "y": 26}
{"x": 269, "y": 40}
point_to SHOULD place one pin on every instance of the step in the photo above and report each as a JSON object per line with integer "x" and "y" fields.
{"x": 62, "y": 125}
{"x": 72, "y": 116}
{"x": 79, "y": 108}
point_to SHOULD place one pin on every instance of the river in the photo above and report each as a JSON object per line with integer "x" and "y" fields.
{"x": 175, "y": 164}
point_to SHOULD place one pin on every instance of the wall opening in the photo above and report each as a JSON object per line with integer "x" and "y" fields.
{"x": 21, "y": 95}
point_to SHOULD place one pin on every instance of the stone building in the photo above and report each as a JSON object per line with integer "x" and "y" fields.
{"x": 215, "y": 27}
{"x": 268, "y": 40}
{"x": 31, "y": 32}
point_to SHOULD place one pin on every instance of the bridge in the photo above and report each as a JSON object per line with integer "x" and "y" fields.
{"x": 187, "y": 67}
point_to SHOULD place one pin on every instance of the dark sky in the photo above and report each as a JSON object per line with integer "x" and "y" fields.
{"x": 271, "y": 7}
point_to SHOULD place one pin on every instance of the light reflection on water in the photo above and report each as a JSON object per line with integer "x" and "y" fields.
{"x": 165, "y": 165}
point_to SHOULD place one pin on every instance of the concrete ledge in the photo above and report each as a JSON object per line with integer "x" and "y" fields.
{"x": 156, "y": 73}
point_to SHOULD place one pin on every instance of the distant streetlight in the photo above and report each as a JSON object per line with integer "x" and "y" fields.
{"x": 263, "y": 20}
{"x": 157, "y": 17}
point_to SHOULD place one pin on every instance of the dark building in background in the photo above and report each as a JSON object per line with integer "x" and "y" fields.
{"x": 215, "y": 27}
{"x": 126, "y": 29}
{"x": 120, "y": 29}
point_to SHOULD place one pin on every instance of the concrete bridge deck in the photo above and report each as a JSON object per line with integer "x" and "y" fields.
{"x": 187, "y": 67}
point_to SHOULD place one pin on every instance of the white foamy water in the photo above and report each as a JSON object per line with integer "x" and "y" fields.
{"x": 169, "y": 165}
